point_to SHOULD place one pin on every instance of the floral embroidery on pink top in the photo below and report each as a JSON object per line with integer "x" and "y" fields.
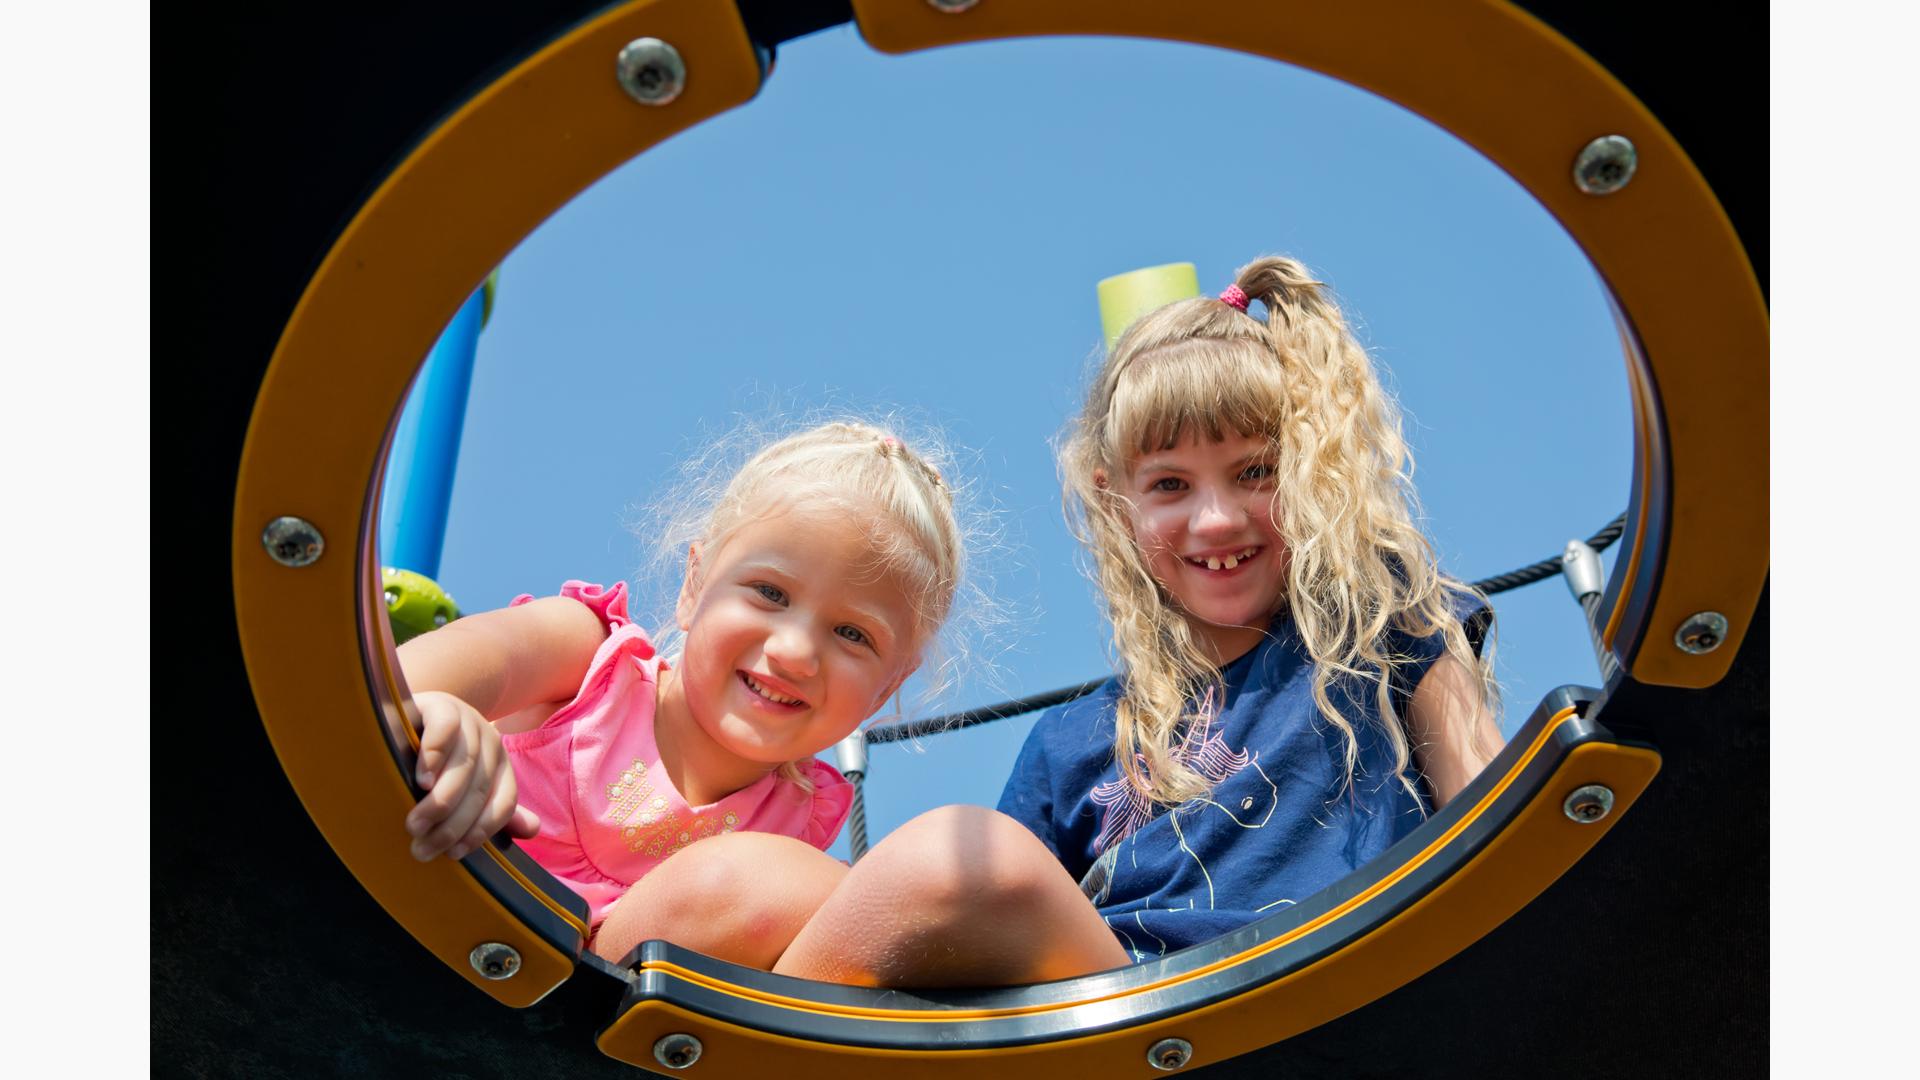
{"x": 608, "y": 812}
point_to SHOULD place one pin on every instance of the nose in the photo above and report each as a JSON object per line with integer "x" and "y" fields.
{"x": 791, "y": 649}
{"x": 1215, "y": 512}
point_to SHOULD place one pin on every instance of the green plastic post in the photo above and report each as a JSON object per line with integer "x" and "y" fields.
{"x": 415, "y": 603}
{"x": 1126, "y": 297}
{"x": 487, "y": 289}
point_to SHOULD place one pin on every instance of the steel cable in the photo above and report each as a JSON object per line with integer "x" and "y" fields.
{"x": 857, "y": 820}
{"x": 913, "y": 729}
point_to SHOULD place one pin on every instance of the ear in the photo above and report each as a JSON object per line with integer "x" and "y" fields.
{"x": 689, "y": 588}
{"x": 1100, "y": 479}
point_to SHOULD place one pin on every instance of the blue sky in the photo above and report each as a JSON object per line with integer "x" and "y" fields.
{"x": 923, "y": 234}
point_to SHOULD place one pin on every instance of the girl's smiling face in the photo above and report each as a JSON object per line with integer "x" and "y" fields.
{"x": 795, "y": 635}
{"x": 1203, "y": 516}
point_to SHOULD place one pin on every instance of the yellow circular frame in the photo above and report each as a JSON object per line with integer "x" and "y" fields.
{"x": 1694, "y": 325}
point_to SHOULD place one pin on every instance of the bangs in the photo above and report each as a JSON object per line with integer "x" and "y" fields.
{"x": 902, "y": 538}
{"x": 1208, "y": 388}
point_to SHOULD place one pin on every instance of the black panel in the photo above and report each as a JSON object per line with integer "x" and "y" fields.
{"x": 771, "y": 22}
{"x": 268, "y": 958}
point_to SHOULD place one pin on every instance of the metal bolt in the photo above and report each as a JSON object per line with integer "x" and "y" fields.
{"x": 1701, "y": 633}
{"x": 1170, "y": 1054}
{"x": 1605, "y": 165}
{"x": 293, "y": 541}
{"x": 1589, "y": 804}
{"x": 494, "y": 960}
{"x": 677, "y": 1051}
{"x": 651, "y": 71}
{"x": 951, "y": 7}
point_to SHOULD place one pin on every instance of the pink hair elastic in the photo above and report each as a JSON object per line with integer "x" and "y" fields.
{"x": 1234, "y": 296}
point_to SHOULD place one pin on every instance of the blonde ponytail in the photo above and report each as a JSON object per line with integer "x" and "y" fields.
{"x": 1343, "y": 502}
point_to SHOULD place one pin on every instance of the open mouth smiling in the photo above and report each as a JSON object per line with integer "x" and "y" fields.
{"x": 762, "y": 690}
{"x": 1223, "y": 563}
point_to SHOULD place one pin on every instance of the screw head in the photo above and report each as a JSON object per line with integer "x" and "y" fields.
{"x": 1589, "y": 804}
{"x": 1170, "y": 1054}
{"x": 651, "y": 71}
{"x": 677, "y": 1051}
{"x": 951, "y": 7}
{"x": 1605, "y": 165}
{"x": 293, "y": 541}
{"x": 494, "y": 960}
{"x": 1701, "y": 633}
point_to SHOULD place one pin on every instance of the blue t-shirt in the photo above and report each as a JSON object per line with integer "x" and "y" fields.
{"x": 1280, "y": 823}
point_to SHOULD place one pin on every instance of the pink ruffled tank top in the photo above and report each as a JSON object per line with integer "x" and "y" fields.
{"x": 608, "y": 813}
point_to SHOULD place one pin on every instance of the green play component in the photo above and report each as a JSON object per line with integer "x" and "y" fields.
{"x": 486, "y": 296}
{"x": 1126, "y": 297}
{"x": 415, "y": 603}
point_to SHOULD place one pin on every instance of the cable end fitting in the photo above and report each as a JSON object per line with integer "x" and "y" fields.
{"x": 850, "y": 754}
{"x": 1580, "y": 564}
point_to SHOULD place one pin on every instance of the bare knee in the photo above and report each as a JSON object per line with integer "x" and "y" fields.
{"x": 702, "y": 884}
{"x": 675, "y": 902}
{"x": 741, "y": 897}
{"x": 967, "y": 863}
{"x": 959, "y": 896}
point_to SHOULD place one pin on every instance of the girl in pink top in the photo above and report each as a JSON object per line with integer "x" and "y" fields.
{"x": 821, "y": 574}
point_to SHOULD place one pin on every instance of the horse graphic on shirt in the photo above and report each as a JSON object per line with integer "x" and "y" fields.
{"x": 1249, "y": 803}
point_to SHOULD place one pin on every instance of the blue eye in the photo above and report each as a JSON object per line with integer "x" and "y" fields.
{"x": 854, "y": 634}
{"x": 1168, "y": 483}
{"x": 1258, "y": 472}
{"x": 772, "y": 593}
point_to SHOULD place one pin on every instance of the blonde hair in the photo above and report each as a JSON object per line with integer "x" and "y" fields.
{"x": 1343, "y": 502}
{"x": 852, "y": 466}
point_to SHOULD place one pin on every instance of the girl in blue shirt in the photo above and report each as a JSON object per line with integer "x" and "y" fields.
{"x": 1299, "y": 685}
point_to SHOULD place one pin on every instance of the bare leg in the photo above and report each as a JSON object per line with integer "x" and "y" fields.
{"x": 740, "y": 896}
{"x": 959, "y": 896}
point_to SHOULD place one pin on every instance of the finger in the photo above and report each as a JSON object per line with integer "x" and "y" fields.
{"x": 432, "y": 833}
{"x": 443, "y": 793}
{"x": 501, "y": 801}
{"x": 427, "y": 820}
{"x": 432, "y": 757}
{"x": 492, "y": 755}
{"x": 499, "y": 810}
{"x": 450, "y": 830}
{"x": 499, "y": 796}
{"x": 524, "y": 825}
{"x": 464, "y": 842}
{"x": 521, "y": 822}
{"x": 439, "y": 724}
{"x": 491, "y": 774}
{"x": 465, "y": 814}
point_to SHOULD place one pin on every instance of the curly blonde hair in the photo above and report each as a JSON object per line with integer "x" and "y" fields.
{"x": 1343, "y": 502}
